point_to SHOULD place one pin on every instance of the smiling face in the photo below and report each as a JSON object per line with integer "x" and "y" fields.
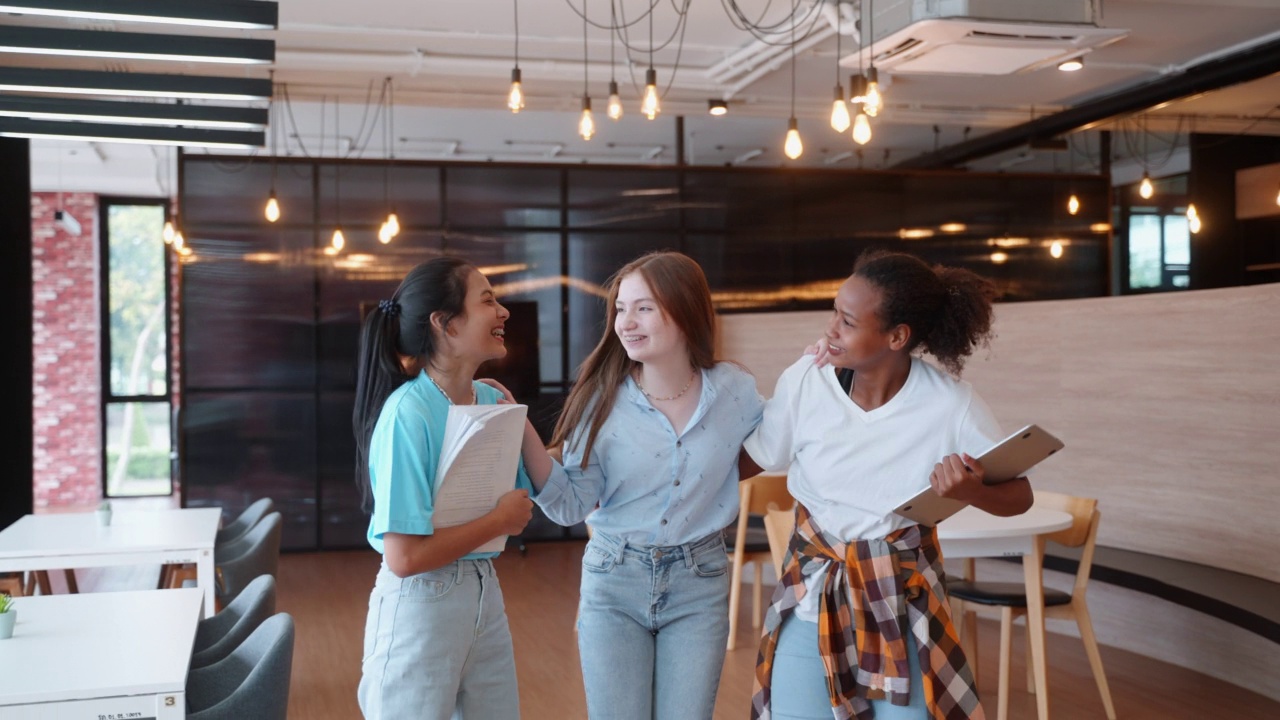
{"x": 856, "y": 337}
{"x": 641, "y": 324}
{"x": 479, "y": 331}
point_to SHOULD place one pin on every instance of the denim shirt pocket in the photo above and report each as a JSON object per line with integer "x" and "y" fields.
{"x": 431, "y": 585}
{"x": 597, "y": 560}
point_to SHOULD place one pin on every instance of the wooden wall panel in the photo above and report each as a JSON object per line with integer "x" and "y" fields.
{"x": 1169, "y": 405}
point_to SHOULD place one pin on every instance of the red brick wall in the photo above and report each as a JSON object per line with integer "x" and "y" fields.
{"x": 67, "y": 357}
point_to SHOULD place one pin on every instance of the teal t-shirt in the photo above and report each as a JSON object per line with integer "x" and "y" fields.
{"x": 403, "y": 455}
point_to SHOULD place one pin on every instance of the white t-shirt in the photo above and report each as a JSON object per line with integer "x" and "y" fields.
{"x": 851, "y": 467}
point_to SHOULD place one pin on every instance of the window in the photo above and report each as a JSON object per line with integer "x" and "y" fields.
{"x": 1156, "y": 255}
{"x": 137, "y": 440}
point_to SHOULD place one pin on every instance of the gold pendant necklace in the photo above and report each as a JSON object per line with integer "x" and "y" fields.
{"x": 445, "y": 394}
{"x": 683, "y": 390}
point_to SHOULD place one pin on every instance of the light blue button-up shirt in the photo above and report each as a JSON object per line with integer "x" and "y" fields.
{"x": 655, "y": 485}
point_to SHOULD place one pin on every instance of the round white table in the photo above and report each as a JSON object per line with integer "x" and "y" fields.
{"x": 972, "y": 533}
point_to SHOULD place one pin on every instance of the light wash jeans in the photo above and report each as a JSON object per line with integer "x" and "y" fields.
{"x": 437, "y": 646}
{"x": 799, "y": 683}
{"x": 652, "y": 627}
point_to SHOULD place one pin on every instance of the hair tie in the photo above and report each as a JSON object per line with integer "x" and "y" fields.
{"x": 953, "y": 291}
{"x": 391, "y": 308}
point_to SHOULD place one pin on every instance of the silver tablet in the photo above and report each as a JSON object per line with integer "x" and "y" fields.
{"x": 1008, "y": 459}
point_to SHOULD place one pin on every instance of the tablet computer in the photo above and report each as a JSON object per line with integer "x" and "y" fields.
{"x": 1008, "y": 459}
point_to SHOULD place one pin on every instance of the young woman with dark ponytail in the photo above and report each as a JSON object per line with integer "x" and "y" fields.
{"x": 859, "y": 625}
{"x": 436, "y": 639}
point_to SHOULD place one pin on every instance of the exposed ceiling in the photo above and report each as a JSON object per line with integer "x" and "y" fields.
{"x": 450, "y": 62}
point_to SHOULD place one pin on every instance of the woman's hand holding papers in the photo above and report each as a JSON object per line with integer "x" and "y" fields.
{"x": 514, "y": 511}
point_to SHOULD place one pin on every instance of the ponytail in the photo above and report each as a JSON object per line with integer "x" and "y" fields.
{"x": 948, "y": 309}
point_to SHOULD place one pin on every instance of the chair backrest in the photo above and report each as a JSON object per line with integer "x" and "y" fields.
{"x": 1083, "y": 532}
{"x": 778, "y": 526}
{"x": 245, "y": 521}
{"x": 251, "y": 682}
{"x": 757, "y": 493}
{"x": 242, "y": 560}
{"x": 218, "y": 636}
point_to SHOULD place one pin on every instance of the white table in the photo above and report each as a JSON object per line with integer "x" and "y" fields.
{"x": 76, "y": 540}
{"x": 100, "y": 655}
{"x": 972, "y": 533}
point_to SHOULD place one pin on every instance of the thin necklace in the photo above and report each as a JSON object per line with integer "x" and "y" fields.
{"x": 683, "y": 390}
{"x": 445, "y": 394}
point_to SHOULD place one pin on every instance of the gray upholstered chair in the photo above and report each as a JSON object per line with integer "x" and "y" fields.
{"x": 218, "y": 636}
{"x": 243, "y": 523}
{"x": 242, "y": 560}
{"x": 251, "y": 682}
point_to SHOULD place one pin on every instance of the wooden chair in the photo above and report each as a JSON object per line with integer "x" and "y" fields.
{"x": 778, "y": 526}
{"x": 755, "y": 495}
{"x": 1012, "y": 600}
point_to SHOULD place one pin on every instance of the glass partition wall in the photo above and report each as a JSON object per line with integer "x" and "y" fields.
{"x": 270, "y": 316}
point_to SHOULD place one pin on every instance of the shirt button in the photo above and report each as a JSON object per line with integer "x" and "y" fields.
{"x": 664, "y": 522}
{"x": 679, "y": 443}
{"x": 677, "y": 483}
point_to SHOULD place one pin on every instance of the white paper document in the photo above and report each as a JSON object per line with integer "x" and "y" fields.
{"x": 477, "y": 464}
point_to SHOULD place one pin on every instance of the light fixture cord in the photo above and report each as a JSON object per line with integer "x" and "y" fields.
{"x": 337, "y": 169}
{"x": 871, "y": 22}
{"x": 837, "y": 43}
{"x": 613, "y": 29}
{"x": 585, "y": 83}
{"x": 516, "y": 13}
{"x": 794, "y": 6}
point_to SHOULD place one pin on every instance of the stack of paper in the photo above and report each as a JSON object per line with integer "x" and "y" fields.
{"x": 477, "y": 464}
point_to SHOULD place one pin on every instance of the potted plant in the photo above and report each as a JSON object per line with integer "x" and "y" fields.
{"x": 8, "y": 616}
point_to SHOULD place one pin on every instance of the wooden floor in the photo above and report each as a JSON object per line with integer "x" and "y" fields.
{"x": 327, "y": 594}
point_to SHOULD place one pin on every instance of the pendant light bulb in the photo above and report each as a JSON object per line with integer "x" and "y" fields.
{"x": 792, "y": 146}
{"x": 1073, "y": 204}
{"x": 339, "y": 240}
{"x": 839, "y": 111}
{"x": 179, "y": 242}
{"x": 168, "y": 232}
{"x": 1193, "y": 219}
{"x": 515, "y": 99}
{"x": 1146, "y": 189}
{"x": 861, "y": 126}
{"x": 384, "y": 233}
{"x": 615, "y": 102}
{"x": 272, "y": 211}
{"x": 874, "y": 102}
{"x": 586, "y": 125}
{"x": 1056, "y": 249}
{"x": 651, "y": 106}
{"x": 1278, "y": 197}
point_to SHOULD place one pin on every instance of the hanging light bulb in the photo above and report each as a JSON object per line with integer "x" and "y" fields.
{"x": 339, "y": 240}
{"x": 1146, "y": 189}
{"x": 650, "y": 106}
{"x": 1056, "y": 249}
{"x": 185, "y": 251}
{"x": 874, "y": 102}
{"x": 1278, "y": 196}
{"x": 792, "y": 146}
{"x": 168, "y": 232}
{"x": 393, "y": 223}
{"x": 384, "y": 236}
{"x": 857, "y": 89}
{"x": 861, "y": 126}
{"x": 615, "y": 102}
{"x": 179, "y": 242}
{"x": 272, "y": 211}
{"x": 515, "y": 99}
{"x": 586, "y": 125}
{"x": 839, "y": 111}
{"x": 1193, "y": 218}
{"x": 1073, "y": 204}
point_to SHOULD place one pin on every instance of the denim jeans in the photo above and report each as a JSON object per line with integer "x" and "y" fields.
{"x": 799, "y": 683}
{"x": 652, "y": 626}
{"x": 437, "y": 645}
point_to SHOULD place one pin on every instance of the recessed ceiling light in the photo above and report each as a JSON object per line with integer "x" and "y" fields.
{"x": 1071, "y": 65}
{"x": 717, "y": 107}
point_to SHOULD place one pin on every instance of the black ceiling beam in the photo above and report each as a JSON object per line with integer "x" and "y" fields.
{"x": 201, "y": 13}
{"x": 146, "y": 134}
{"x": 1257, "y": 62}
{"x": 141, "y": 46}
{"x": 128, "y": 84}
{"x": 142, "y": 113}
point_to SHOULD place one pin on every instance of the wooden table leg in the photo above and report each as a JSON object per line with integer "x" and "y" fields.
{"x": 1033, "y": 568}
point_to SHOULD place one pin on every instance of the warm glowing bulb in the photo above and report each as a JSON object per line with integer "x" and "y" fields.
{"x": 861, "y": 128}
{"x": 874, "y": 100}
{"x": 185, "y": 251}
{"x": 999, "y": 258}
{"x": 615, "y": 103}
{"x": 168, "y": 232}
{"x": 1278, "y": 197}
{"x": 792, "y": 146}
{"x": 1193, "y": 219}
{"x": 839, "y": 112}
{"x": 1056, "y": 249}
{"x": 650, "y": 105}
{"x": 384, "y": 233}
{"x": 1073, "y": 204}
{"x": 179, "y": 242}
{"x": 393, "y": 223}
{"x": 273, "y": 208}
{"x": 1146, "y": 189}
{"x": 339, "y": 240}
{"x": 586, "y": 124}
{"x": 515, "y": 99}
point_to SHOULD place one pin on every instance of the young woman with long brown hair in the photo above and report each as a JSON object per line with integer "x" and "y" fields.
{"x": 651, "y": 435}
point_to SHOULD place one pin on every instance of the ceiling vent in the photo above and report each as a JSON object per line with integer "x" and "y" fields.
{"x": 980, "y": 37}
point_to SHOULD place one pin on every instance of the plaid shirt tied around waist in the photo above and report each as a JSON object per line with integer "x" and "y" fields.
{"x": 869, "y": 588}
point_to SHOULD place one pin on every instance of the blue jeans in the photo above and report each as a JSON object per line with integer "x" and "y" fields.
{"x": 799, "y": 683}
{"x": 652, "y": 627}
{"x": 437, "y": 645}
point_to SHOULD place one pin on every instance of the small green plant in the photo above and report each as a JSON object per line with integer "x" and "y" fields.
{"x": 6, "y": 603}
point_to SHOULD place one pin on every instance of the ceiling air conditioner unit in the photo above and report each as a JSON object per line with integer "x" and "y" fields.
{"x": 979, "y": 37}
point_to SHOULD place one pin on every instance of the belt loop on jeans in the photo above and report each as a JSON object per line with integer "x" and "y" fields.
{"x": 687, "y": 549}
